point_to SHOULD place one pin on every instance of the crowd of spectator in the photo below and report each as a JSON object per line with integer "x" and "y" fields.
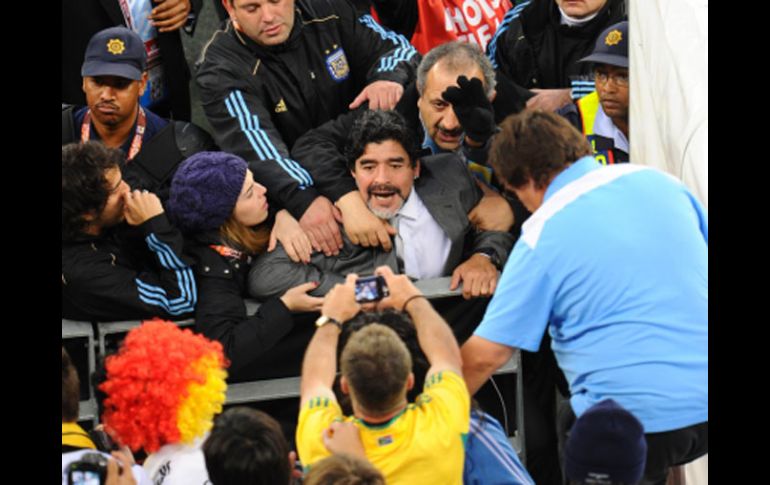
{"x": 484, "y": 142}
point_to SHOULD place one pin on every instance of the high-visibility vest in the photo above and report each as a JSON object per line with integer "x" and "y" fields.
{"x": 604, "y": 148}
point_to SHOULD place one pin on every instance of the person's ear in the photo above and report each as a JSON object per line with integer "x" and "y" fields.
{"x": 493, "y": 95}
{"x": 410, "y": 381}
{"x": 143, "y": 86}
{"x": 344, "y": 386}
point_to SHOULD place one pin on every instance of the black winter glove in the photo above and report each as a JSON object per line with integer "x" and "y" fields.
{"x": 472, "y": 108}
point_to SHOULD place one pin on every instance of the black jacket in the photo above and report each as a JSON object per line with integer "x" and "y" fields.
{"x": 532, "y": 49}
{"x": 81, "y": 19}
{"x": 119, "y": 277}
{"x": 259, "y": 100}
{"x": 221, "y": 313}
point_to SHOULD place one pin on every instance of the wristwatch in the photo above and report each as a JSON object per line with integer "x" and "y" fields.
{"x": 323, "y": 320}
{"x": 489, "y": 253}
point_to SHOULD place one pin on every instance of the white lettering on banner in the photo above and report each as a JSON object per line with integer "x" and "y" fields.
{"x": 463, "y": 38}
{"x": 488, "y": 12}
{"x": 484, "y": 36}
{"x": 456, "y": 22}
{"x": 472, "y": 12}
{"x": 471, "y": 39}
{"x": 495, "y": 3}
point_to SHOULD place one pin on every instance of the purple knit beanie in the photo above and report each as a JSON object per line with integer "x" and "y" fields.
{"x": 204, "y": 190}
{"x": 606, "y": 444}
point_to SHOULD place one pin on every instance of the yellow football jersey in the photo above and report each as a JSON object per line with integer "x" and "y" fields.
{"x": 425, "y": 443}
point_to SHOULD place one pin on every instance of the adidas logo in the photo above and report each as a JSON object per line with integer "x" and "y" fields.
{"x": 281, "y": 107}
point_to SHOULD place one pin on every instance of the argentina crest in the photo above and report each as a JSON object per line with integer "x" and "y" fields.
{"x": 338, "y": 66}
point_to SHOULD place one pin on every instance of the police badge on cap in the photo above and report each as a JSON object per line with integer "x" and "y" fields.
{"x": 116, "y": 51}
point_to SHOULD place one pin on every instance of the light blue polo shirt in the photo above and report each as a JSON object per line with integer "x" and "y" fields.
{"x": 616, "y": 259}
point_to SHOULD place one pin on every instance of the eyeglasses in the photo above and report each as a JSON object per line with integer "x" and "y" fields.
{"x": 619, "y": 79}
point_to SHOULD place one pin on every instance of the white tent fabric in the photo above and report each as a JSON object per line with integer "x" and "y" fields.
{"x": 697, "y": 472}
{"x": 668, "y": 43}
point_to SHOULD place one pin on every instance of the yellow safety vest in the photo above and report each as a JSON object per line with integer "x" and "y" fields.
{"x": 588, "y": 106}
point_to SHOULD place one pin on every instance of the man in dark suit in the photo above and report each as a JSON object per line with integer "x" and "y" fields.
{"x": 434, "y": 235}
{"x": 81, "y": 19}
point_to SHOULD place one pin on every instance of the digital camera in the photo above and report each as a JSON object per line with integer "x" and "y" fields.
{"x": 91, "y": 469}
{"x": 371, "y": 288}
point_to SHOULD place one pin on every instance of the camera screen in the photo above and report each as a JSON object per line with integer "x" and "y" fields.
{"x": 81, "y": 477}
{"x": 366, "y": 290}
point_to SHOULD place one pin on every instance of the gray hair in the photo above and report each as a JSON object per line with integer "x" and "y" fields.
{"x": 456, "y": 56}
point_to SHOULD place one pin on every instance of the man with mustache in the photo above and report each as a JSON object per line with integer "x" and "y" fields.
{"x": 114, "y": 78}
{"x": 426, "y": 200}
{"x": 602, "y": 116}
{"x": 452, "y": 107}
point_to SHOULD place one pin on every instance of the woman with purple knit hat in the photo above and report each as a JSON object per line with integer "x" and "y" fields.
{"x": 225, "y": 217}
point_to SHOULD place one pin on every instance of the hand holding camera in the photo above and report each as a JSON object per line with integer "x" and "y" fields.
{"x": 340, "y": 302}
{"x": 97, "y": 469}
{"x": 401, "y": 289}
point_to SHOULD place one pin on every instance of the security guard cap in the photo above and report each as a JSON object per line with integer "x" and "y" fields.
{"x": 611, "y": 46}
{"x": 116, "y": 51}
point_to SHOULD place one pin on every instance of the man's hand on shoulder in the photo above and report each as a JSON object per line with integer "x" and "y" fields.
{"x": 382, "y": 95}
{"x": 344, "y": 437}
{"x": 549, "y": 99}
{"x": 288, "y": 232}
{"x": 492, "y": 213}
{"x": 320, "y": 223}
{"x": 478, "y": 275}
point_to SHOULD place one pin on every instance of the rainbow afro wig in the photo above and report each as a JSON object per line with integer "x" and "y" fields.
{"x": 165, "y": 385}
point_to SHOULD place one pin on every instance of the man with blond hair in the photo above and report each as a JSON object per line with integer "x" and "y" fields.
{"x": 407, "y": 442}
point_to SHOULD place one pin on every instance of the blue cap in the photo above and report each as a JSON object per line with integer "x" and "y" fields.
{"x": 116, "y": 51}
{"x": 611, "y": 46}
{"x": 606, "y": 444}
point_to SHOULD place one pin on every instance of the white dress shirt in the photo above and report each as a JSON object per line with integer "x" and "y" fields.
{"x": 421, "y": 243}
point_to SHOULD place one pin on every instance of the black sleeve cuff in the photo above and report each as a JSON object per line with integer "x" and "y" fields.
{"x": 300, "y": 200}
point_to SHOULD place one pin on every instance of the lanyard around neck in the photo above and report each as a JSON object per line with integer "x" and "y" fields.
{"x": 136, "y": 143}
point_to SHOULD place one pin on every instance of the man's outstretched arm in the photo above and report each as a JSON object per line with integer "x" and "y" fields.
{"x": 320, "y": 364}
{"x": 481, "y": 358}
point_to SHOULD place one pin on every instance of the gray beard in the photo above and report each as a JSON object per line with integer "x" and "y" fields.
{"x": 384, "y": 213}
